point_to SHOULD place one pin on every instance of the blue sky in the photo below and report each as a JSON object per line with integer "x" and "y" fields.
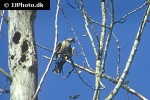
{"x": 56, "y": 88}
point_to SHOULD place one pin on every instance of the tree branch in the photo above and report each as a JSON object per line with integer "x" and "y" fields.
{"x": 5, "y": 74}
{"x": 73, "y": 67}
{"x": 113, "y": 80}
{"x": 86, "y": 26}
{"x": 125, "y": 86}
{"x": 84, "y": 81}
{"x": 132, "y": 54}
{"x": 4, "y": 17}
{"x": 2, "y": 12}
{"x": 100, "y": 71}
{"x": 54, "y": 50}
{"x": 44, "y": 47}
{"x": 118, "y": 63}
{"x": 3, "y": 90}
{"x": 135, "y": 10}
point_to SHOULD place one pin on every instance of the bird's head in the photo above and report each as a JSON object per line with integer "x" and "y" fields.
{"x": 70, "y": 39}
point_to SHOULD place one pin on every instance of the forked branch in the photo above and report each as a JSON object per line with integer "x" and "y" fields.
{"x": 131, "y": 56}
{"x": 113, "y": 80}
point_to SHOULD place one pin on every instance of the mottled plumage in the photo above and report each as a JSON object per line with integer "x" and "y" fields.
{"x": 64, "y": 52}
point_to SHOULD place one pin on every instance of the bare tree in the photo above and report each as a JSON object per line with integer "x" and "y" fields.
{"x": 23, "y": 59}
{"x": 100, "y": 51}
{"x": 22, "y": 55}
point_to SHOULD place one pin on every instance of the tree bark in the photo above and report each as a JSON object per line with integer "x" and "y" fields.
{"x": 22, "y": 57}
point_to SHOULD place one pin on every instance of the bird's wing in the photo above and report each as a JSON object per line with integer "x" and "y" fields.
{"x": 58, "y": 49}
{"x": 64, "y": 49}
{"x": 69, "y": 53}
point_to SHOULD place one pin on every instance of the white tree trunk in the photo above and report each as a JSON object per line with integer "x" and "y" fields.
{"x": 22, "y": 54}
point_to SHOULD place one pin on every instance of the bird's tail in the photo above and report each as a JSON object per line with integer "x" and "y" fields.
{"x": 59, "y": 65}
{"x": 57, "y": 69}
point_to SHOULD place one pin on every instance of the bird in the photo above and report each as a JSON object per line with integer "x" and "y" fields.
{"x": 74, "y": 97}
{"x": 64, "y": 51}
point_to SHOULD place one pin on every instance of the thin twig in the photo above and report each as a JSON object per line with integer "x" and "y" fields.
{"x": 1, "y": 24}
{"x": 108, "y": 10}
{"x": 135, "y": 10}
{"x": 89, "y": 19}
{"x": 73, "y": 67}
{"x": 97, "y": 23}
{"x": 118, "y": 64}
{"x": 5, "y": 74}
{"x": 128, "y": 96}
{"x": 4, "y": 17}
{"x": 6, "y": 83}
{"x": 96, "y": 35}
{"x": 43, "y": 47}
{"x": 131, "y": 56}
{"x": 52, "y": 56}
{"x": 4, "y": 89}
{"x": 86, "y": 26}
{"x": 109, "y": 36}
{"x": 84, "y": 81}
{"x": 72, "y": 6}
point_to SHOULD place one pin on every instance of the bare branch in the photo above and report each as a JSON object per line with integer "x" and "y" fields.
{"x": 3, "y": 90}
{"x": 100, "y": 71}
{"x": 2, "y": 12}
{"x": 132, "y": 54}
{"x": 4, "y": 17}
{"x": 123, "y": 19}
{"x": 118, "y": 64}
{"x": 89, "y": 18}
{"x": 44, "y": 47}
{"x": 54, "y": 50}
{"x": 86, "y": 26}
{"x": 84, "y": 81}
{"x": 108, "y": 38}
{"x": 113, "y": 80}
{"x": 73, "y": 67}
{"x": 96, "y": 35}
{"x": 97, "y": 23}
{"x": 73, "y": 6}
{"x": 125, "y": 86}
{"x": 5, "y": 74}
{"x": 72, "y": 63}
{"x": 108, "y": 10}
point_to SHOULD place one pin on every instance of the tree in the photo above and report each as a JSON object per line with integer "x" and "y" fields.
{"x": 100, "y": 43}
{"x": 22, "y": 54}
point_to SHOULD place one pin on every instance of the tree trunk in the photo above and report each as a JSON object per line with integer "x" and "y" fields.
{"x": 22, "y": 54}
